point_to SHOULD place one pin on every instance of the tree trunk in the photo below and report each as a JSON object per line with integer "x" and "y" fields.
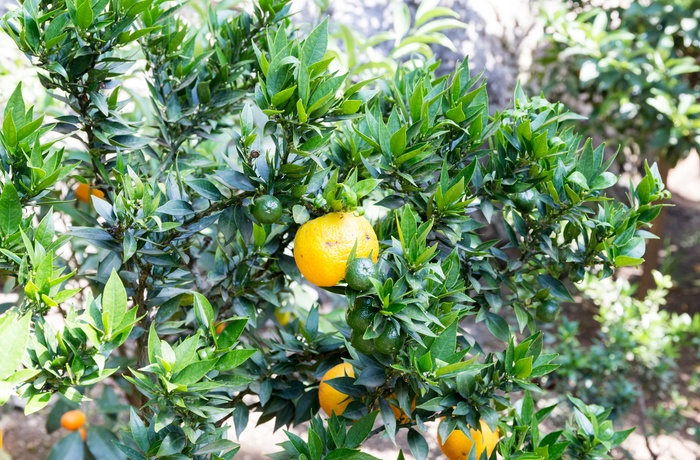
{"x": 654, "y": 247}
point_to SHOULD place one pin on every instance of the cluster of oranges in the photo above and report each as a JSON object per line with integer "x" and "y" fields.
{"x": 457, "y": 446}
{"x": 322, "y": 247}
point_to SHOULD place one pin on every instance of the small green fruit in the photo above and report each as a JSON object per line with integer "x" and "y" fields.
{"x": 359, "y": 272}
{"x": 390, "y": 340}
{"x": 361, "y": 314}
{"x": 548, "y": 311}
{"x": 526, "y": 201}
{"x": 267, "y": 209}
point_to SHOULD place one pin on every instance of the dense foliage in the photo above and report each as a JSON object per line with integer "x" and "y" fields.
{"x": 171, "y": 243}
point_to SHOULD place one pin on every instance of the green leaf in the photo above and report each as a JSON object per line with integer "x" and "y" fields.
{"x": 10, "y": 210}
{"x": 584, "y": 423}
{"x": 138, "y": 430}
{"x": 365, "y": 187}
{"x": 388, "y": 418}
{"x": 605, "y": 180}
{"x": 15, "y": 108}
{"x": 69, "y": 448}
{"x": 398, "y": 142}
{"x": 620, "y": 436}
{"x": 177, "y": 208}
{"x": 300, "y": 214}
{"x": 498, "y": 326}
{"x": 233, "y": 359}
{"x": 231, "y": 332}
{"x": 14, "y": 336}
{"x": 359, "y": 431}
{"x": 348, "y": 454}
{"x": 417, "y": 444}
{"x": 194, "y": 372}
{"x": 129, "y": 246}
{"x": 102, "y": 444}
{"x": 83, "y": 14}
{"x": 527, "y": 408}
{"x": 523, "y": 367}
{"x": 240, "y": 418}
{"x": 37, "y": 402}
{"x": 203, "y": 311}
{"x": 579, "y": 179}
{"x": 315, "y": 44}
{"x": 315, "y": 446}
{"x": 10, "y": 131}
{"x": 154, "y": 349}
{"x": 626, "y": 261}
{"x": 283, "y": 96}
{"x": 205, "y": 188}
{"x": 445, "y": 343}
{"x": 556, "y": 287}
{"x": 186, "y": 352}
{"x": 113, "y": 303}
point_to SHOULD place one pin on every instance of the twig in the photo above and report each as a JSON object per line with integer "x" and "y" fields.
{"x": 643, "y": 408}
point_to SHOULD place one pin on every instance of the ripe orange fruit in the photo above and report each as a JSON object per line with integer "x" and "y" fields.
{"x": 322, "y": 246}
{"x": 83, "y": 192}
{"x": 458, "y": 445}
{"x": 331, "y": 399}
{"x": 83, "y": 433}
{"x": 220, "y": 328}
{"x": 73, "y": 420}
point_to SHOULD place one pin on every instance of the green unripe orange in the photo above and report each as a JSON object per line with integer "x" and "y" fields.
{"x": 389, "y": 341}
{"x": 267, "y": 209}
{"x": 359, "y": 272}
{"x": 548, "y": 311}
{"x": 361, "y": 314}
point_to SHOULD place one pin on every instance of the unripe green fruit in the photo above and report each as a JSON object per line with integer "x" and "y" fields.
{"x": 361, "y": 314}
{"x": 267, "y": 209}
{"x": 389, "y": 341}
{"x": 548, "y": 311}
{"x": 359, "y": 272}
{"x": 366, "y": 347}
{"x": 526, "y": 201}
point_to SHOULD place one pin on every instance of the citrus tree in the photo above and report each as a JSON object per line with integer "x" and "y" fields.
{"x": 638, "y": 67}
{"x": 169, "y": 248}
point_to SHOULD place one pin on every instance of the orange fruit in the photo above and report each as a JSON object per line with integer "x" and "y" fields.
{"x": 458, "y": 445}
{"x": 83, "y": 433}
{"x": 322, "y": 246}
{"x": 73, "y": 420}
{"x": 220, "y": 328}
{"x": 83, "y": 192}
{"x": 331, "y": 399}
{"x": 283, "y": 317}
{"x": 400, "y": 415}
{"x": 0, "y": 439}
